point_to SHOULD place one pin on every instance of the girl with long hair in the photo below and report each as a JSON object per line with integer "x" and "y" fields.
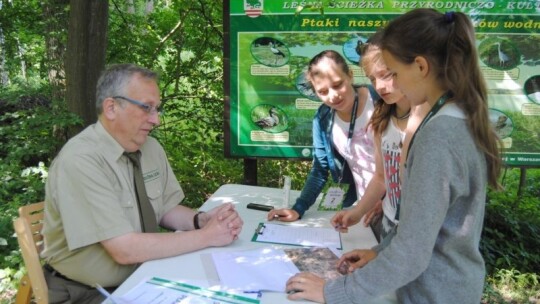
{"x": 452, "y": 158}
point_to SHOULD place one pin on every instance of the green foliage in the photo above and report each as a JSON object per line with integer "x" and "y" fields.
{"x": 512, "y": 224}
{"x": 512, "y": 286}
{"x": 29, "y": 142}
{"x": 23, "y": 32}
{"x": 196, "y": 155}
{"x": 510, "y": 241}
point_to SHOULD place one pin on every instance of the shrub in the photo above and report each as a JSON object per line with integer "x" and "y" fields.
{"x": 512, "y": 224}
{"x": 29, "y": 128}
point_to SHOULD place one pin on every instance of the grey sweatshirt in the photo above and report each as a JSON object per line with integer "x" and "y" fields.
{"x": 434, "y": 256}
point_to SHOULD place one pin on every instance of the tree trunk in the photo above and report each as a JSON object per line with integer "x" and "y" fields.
{"x": 85, "y": 59}
{"x": 149, "y": 7}
{"x": 4, "y": 75}
{"x": 55, "y": 17}
{"x": 20, "y": 53}
{"x": 131, "y": 7}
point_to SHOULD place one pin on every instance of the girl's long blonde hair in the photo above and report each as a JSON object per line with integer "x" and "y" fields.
{"x": 371, "y": 55}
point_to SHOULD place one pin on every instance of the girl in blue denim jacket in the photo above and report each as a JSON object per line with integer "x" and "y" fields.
{"x": 342, "y": 142}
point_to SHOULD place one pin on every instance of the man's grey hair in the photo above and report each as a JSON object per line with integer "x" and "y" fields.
{"x": 114, "y": 80}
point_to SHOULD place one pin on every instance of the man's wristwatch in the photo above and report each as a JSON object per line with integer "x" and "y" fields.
{"x": 196, "y": 220}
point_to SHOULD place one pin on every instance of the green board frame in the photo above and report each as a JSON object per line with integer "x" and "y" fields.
{"x": 269, "y": 109}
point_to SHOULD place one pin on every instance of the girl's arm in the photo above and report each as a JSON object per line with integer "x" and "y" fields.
{"x": 374, "y": 191}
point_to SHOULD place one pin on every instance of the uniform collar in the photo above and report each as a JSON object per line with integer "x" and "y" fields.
{"x": 110, "y": 147}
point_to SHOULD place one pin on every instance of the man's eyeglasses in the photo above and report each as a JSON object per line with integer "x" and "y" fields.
{"x": 145, "y": 107}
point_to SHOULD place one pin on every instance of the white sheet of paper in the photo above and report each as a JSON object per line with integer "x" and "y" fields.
{"x": 162, "y": 291}
{"x": 253, "y": 270}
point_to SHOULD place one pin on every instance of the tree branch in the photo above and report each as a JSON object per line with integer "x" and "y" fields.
{"x": 164, "y": 39}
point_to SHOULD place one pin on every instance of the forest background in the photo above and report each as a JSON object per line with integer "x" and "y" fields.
{"x": 50, "y": 54}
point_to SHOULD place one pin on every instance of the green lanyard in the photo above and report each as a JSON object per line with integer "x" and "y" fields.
{"x": 353, "y": 122}
{"x": 436, "y": 107}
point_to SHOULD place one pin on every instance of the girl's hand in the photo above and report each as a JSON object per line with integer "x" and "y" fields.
{"x": 284, "y": 215}
{"x": 339, "y": 221}
{"x": 305, "y": 285}
{"x": 355, "y": 259}
{"x": 342, "y": 220}
{"x": 373, "y": 215}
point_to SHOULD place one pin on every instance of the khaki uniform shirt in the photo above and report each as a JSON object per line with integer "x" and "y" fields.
{"x": 90, "y": 197}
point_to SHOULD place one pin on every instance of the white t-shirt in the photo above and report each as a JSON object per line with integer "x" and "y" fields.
{"x": 360, "y": 156}
{"x": 391, "y": 140}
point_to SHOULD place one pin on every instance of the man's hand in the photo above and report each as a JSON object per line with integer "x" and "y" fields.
{"x": 224, "y": 222}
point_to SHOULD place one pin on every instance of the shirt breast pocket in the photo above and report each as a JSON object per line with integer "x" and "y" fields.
{"x": 128, "y": 203}
{"x": 154, "y": 190}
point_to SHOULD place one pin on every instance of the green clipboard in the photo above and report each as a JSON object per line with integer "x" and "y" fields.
{"x": 297, "y": 235}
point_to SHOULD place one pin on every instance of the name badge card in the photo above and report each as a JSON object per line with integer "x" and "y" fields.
{"x": 333, "y": 197}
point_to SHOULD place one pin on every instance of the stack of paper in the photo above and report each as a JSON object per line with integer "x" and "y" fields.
{"x": 269, "y": 269}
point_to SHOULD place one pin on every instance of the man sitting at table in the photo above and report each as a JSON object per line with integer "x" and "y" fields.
{"x": 102, "y": 214}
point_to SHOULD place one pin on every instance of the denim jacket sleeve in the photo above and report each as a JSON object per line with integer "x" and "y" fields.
{"x": 325, "y": 161}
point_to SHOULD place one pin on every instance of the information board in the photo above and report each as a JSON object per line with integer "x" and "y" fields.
{"x": 268, "y": 44}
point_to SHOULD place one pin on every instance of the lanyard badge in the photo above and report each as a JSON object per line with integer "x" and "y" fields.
{"x": 333, "y": 197}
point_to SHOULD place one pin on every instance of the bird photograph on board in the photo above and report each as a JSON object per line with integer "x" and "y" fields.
{"x": 501, "y": 123}
{"x": 352, "y": 49}
{"x": 269, "y": 118}
{"x": 499, "y": 54}
{"x": 503, "y": 58}
{"x": 270, "y": 51}
{"x": 304, "y": 86}
{"x": 532, "y": 89}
